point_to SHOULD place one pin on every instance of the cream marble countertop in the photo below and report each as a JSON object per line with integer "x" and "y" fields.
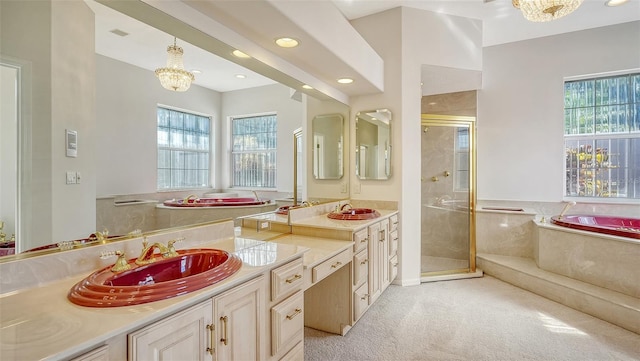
{"x": 322, "y": 221}
{"x": 320, "y": 249}
{"x": 40, "y": 323}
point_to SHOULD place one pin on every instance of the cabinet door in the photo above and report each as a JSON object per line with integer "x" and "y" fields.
{"x": 383, "y": 249}
{"x": 239, "y": 316}
{"x": 375, "y": 285}
{"x": 182, "y": 336}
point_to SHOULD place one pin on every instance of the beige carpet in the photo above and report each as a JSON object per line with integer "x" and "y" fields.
{"x": 473, "y": 319}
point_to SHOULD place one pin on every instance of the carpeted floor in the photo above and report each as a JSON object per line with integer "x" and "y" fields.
{"x": 474, "y": 319}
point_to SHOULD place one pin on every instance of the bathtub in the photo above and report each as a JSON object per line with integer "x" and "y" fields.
{"x": 215, "y": 202}
{"x": 616, "y": 226}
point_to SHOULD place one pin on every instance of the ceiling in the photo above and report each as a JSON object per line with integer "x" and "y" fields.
{"x": 146, "y": 47}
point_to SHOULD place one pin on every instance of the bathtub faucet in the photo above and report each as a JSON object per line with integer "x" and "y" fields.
{"x": 256, "y": 195}
{"x": 566, "y": 208}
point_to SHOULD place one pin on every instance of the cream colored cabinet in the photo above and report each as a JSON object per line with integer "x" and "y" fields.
{"x": 98, "y": 354}
{"x": 186, "y": 335}
{"x": 239, "y": 319}
{"x": 230, "y": 326}
{"x": 378, "y": 259}
{"x": 287, "y": 311}
{"x": 393, "y": 247}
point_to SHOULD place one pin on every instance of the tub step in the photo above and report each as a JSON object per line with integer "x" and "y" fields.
{"x": 614, "y": 307}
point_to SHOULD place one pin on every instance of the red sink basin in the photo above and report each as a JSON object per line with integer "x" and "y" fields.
{"x": 191, "y": 270}
{"x": 355, "y": 214}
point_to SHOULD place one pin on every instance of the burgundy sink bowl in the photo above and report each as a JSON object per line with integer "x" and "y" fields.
{"x": 355, "y": 214}
{"x": 191, "y": 270}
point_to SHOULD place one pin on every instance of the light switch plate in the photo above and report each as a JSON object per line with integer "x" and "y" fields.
{"x": 71, "y": 178}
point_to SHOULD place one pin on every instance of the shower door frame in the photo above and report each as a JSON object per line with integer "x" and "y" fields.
{"x": 469, "y": 123}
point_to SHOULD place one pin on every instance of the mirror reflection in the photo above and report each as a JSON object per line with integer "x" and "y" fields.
{"x": 112, "y": 187}
{"x": 373, "y": 144}
{"x": 328, "y": 144}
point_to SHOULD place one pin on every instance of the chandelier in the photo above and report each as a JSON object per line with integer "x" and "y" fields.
{"x": 173, "y": 76}
{"x": 545, "y": 10}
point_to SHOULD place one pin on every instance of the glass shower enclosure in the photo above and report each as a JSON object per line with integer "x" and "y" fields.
{"x": 448, "y": 171}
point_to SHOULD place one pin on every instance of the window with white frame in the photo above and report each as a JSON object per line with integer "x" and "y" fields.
{"x": 184, "y": 150}
{"x": 602, "y": 137}
{"x": 253, "y": 154}
{"x": 461, "y": 183}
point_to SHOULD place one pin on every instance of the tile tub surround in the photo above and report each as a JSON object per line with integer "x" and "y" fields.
{"x": 505, "y": 232}
{"x": 607, "y": 261}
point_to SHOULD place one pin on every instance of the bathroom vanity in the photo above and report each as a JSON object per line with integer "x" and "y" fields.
{"x": 285, "y": 283}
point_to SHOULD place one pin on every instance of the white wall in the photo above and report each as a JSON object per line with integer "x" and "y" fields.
{"x": 8, "y": 148}
{"x": 521, "y": 109}
{"x": 126, "y": 126}
{"x": 409, "y": 39}
{"x": 274, "y": 98}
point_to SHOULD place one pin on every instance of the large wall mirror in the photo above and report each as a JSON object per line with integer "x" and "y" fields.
{"x": 112, "y": 104}
{"x": 328, "y": 145}
{"x": 373, "y": 144}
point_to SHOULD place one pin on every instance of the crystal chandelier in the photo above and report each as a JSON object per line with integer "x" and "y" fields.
{"x": 174, "y": 77}
{"x": 545, "y": 10}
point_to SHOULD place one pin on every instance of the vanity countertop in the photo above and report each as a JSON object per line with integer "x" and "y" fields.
{"x": 320, "y": 249}
{"x": 40, "y": 323}
{"x": 322, "y": 221}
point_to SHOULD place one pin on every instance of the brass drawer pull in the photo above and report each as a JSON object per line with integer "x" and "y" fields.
{"x": 364, "y": 261}
{"x": 292, "y": 279}
{"x": 294, "y": 314}
{"x": 224, "y": 339}
{"x": 211, "y": 349}
{"x": 337, "y": 264}
{"x": 364, "y": 297}
{"x": 364, "y": 240}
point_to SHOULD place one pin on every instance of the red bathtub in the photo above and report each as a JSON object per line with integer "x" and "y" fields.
{"x": 617, "y": 226}
{"x": 214, "y": 202}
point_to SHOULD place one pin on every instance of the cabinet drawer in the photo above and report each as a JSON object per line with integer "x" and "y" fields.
{"x": 295, "y": 354}
{"x": 286, "y": 279}
{"x": 99, "y": 354}
{"x": 360, "y": 239}
{"x": 360, "y": 267}
{"x": 393, "y": 242}
{"x": 393, "y": 268}
{"x": 393, "y": 222}
{"x": 360, "y": 301}
{"x": 287, "y": 323}
{"x": 331, "y": 265}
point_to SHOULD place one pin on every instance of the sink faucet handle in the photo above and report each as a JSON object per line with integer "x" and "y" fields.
{"x": 170, "y": 245}
{"x": 121, "y": 263}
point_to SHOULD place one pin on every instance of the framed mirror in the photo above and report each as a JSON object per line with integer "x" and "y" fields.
{"x": 328, "y": 144}
{"x": 373, "y": 144}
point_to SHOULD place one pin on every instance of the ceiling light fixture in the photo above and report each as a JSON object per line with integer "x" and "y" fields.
{"x": 345, "y": 80}
{"x": 308, "y": 87}
{"x": 239, "y": 54}
{"x": 545, "y": 10}
{"x": 615, "y": 2}
{"x": 173, "y": 76}
{"x": 241, "y": 76}
{"x": 287, "y": 42}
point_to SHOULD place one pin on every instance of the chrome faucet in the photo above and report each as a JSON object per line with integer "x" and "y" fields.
{"x": 566, "y": 208}
{"x": 256, "y": 195}
{"x": 146, "y": 255}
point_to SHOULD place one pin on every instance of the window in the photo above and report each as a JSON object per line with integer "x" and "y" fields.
{"x": 184, "y": 150}
{"x": 254, "y": 140}
{"x": 602, "y": 137}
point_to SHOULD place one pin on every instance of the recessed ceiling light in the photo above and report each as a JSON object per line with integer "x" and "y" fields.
{"x": 196, "y": 71}
{"x": 308, "y": 87}
{"x": 287, "y": 42}
{"x": 239, "y": 54}
{"x": 345, "y": 80}
{"x": 241, "y": 76}
{"x": 615, "y": 2}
